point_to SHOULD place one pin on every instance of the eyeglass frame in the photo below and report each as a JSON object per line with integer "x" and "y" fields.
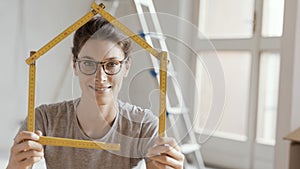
{"x": 102, "y": 65}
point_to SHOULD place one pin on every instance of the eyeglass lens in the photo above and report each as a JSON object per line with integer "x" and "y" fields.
{"x": 89, "y": 67}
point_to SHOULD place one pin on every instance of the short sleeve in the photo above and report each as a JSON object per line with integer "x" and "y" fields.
{"x": 39, "y": 122}
{"x": 148, "y": 133}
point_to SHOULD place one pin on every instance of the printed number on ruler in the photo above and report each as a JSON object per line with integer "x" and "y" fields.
{"x": 55, "y": 141}
{"x": 31, "y": 97}
{"x": 163, "y": 92}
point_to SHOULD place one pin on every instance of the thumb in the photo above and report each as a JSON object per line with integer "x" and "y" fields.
{"x": 39, "y": 133}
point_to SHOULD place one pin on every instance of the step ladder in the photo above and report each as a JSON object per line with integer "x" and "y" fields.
{"x": 189, "y": 147}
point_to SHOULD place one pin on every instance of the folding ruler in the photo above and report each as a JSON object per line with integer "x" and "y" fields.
{"x": 56, "y": 141}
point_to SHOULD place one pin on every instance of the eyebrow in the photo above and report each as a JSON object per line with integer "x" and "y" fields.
{"x": 91, "y": 58}
{"x": 87, "y": 57}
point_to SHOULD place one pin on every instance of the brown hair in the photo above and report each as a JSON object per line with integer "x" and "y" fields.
{"x": 99, "y": 28}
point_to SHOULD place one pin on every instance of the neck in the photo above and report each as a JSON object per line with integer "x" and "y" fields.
{"x": 96, "y": 120}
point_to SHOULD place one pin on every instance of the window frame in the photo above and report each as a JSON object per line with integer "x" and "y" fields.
{"x": 250, "y": 153}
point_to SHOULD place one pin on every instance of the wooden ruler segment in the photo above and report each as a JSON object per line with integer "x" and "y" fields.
{"x": 163, "y": 92}
{"x": 140, "y": 41}
{"x": 31, "y": 96}
{"x": 56, "y": 141}
{"x": 61, "y": 36}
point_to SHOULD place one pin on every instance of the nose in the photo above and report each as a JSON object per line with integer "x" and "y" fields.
{"x": 100, "y": 74}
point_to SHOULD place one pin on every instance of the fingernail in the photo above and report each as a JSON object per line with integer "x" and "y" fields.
{"x": 36, "y": 137}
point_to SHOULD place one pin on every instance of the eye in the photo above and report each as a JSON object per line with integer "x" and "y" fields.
{"x": 88, "y": 63}
{"x": 112, "y": 64}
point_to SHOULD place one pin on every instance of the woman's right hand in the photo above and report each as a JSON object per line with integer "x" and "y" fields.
{"x": 26, "y": 150}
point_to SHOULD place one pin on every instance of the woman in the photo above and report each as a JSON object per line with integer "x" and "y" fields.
{"x": 101, "y": 61}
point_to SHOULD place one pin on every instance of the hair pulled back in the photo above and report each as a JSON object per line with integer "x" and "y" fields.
{"x": 99, "y": 28}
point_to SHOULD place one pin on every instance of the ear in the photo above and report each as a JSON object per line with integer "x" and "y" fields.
{"x": 127, "y": 67}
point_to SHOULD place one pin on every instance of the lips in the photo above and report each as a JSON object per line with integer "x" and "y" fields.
{"x": 101, "y": 89}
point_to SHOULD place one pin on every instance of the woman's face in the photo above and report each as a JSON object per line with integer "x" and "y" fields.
{"x": 100, "y": 87}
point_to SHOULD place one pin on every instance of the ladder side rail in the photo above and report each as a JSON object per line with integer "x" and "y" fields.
{"x": 145, "y": 28}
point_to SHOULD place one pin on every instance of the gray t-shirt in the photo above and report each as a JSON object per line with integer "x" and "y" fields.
{"x": 134, "y": 129}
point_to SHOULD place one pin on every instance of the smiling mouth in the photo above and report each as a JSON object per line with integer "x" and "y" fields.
{"x": 101, "y": 89}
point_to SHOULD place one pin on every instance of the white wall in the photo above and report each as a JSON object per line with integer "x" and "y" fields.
{"x": 296, "y": 76}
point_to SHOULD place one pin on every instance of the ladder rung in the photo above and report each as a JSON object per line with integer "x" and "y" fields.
{"x": 189, "y": 148}
{"x": 154, "y": 35}
{"x": 144, "y": 2}
{"x": 155, "y": 72}
{"x": 189, "y": 166}
{"x": 177, "y": 110}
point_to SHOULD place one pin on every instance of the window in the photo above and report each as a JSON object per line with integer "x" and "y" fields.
{"x": 268, "y": 97}
{"x": 236, "y": 66}
{"x": 272, "y": 18}
{"x": 226, "y": 19}
{"x": 246, "y": 36}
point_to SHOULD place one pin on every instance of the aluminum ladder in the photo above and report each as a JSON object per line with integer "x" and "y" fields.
{"x": 190, "y": 147}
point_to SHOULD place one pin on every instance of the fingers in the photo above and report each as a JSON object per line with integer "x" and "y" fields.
{"x": 30, "y": 161}
{"x": 169, "y": 141}
{"x": 166, "y": 150}
{"x": 26, "y": 141}
{"x": 166, "y": 154}
{"x": 161, "y": 166}
{"x": 163, "y": 160}
{"x": 26, "y": 163}
{"x": 26, "y": 150}
{"x": 25, "y": 135}
{"x": 168, "y": 146}
{"x": 27, "y": 146}
{"x": 28, "y": 154}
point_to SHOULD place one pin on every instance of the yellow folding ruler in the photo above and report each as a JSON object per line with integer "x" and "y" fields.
{"x": 55, "y": 141}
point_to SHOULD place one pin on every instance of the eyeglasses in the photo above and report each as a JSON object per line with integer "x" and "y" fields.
{"x": 111, "y": 67}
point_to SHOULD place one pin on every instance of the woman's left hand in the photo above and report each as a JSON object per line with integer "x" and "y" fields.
{"x": 165, "y": 154}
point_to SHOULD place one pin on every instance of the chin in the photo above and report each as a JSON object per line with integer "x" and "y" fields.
{"x": 104, "y": 100}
